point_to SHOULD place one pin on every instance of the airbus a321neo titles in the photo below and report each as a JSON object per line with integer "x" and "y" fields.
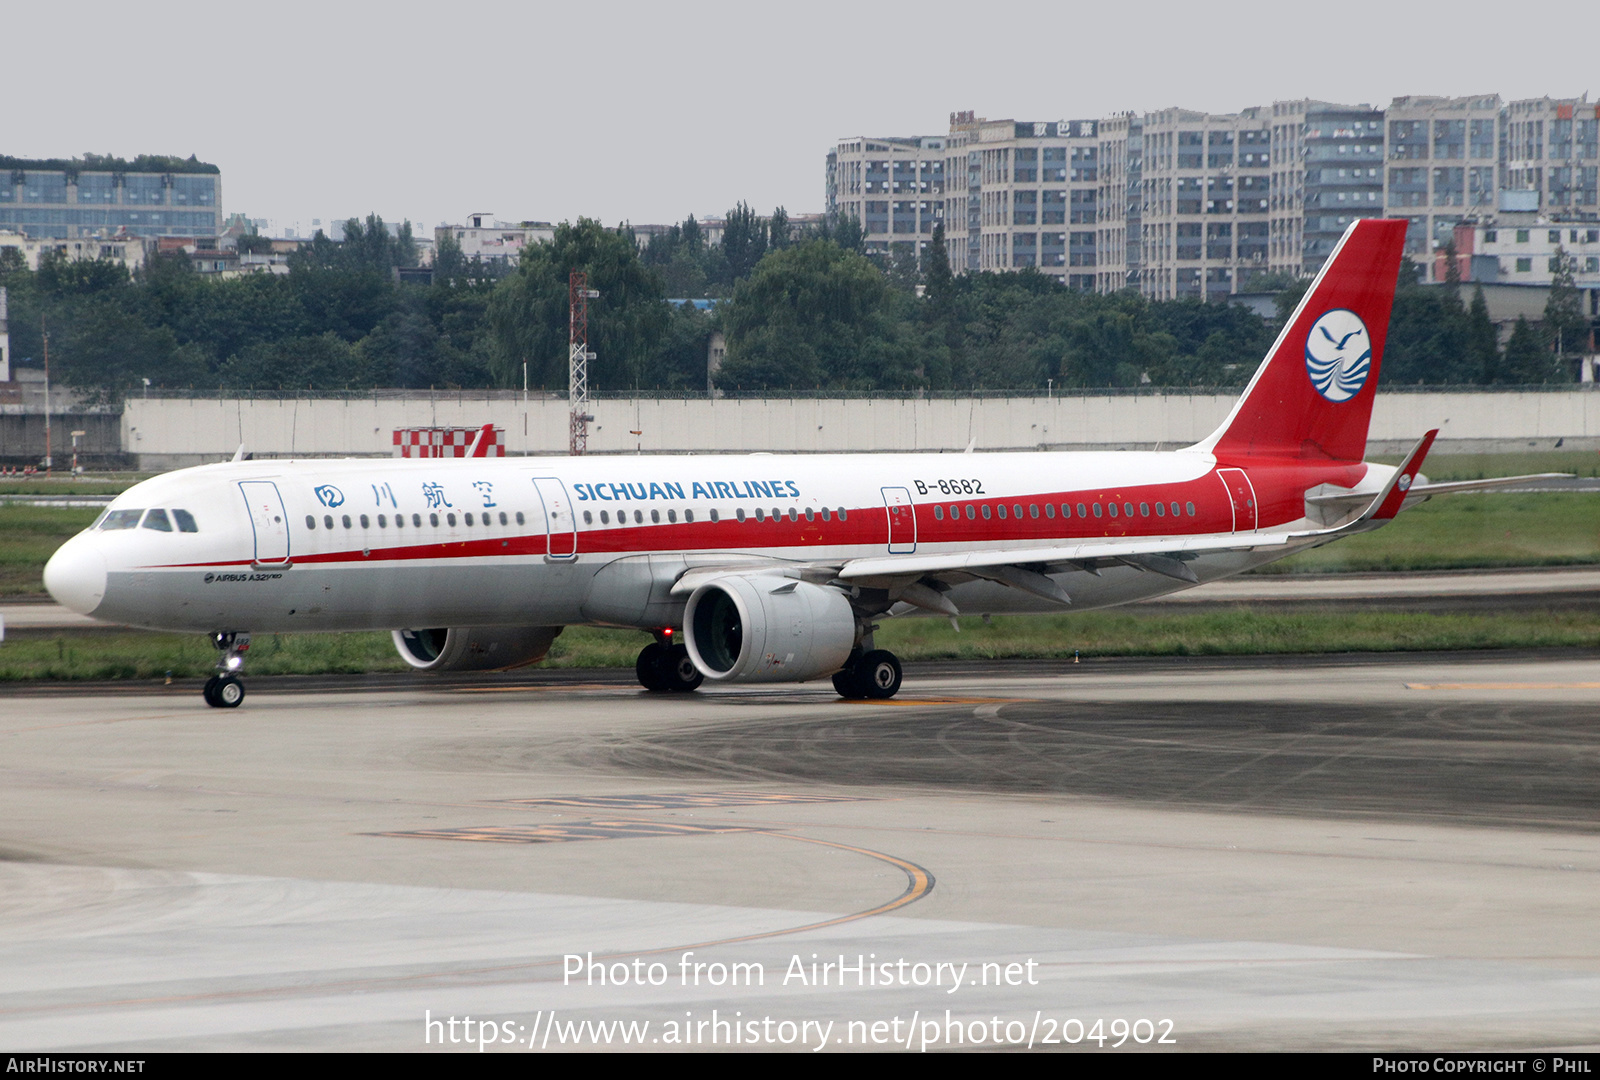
{"x": 761, "y": 568}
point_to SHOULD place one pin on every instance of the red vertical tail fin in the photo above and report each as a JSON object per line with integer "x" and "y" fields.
{"x": 1312, "y": 396}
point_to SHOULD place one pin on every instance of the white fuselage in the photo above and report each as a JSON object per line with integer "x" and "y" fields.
{"x": 358, "y": 544}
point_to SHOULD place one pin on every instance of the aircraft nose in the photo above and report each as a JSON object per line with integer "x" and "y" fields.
{"x": 76, "y": 575}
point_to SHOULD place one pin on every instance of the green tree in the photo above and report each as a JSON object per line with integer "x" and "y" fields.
{"x": 323, "y": 362}
{"x": 812, "y": 317}
{"x": 779, "y": 233}
{"x": 1528, "y": 359}
{"x": 1564, "y": 325}
{"x": 528, "y": 314}
{"x": 1483, "y": 343}
{"x": 744, "y": 242}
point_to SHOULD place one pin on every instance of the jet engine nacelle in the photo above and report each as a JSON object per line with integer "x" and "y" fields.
{"x": 766, "y": 628}
{"x": 475, "y": 648}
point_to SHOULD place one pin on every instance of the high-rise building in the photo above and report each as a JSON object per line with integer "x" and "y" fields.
{"x": 894, "y": 187}
{"x": 1183, "y": 203}
{"x": 1119, "y": 204}
{"x": 1327, "y": 170}
{"x": 1203, "y": 202}
{"x": 1551, "y": 148}
{"x": 1023, "y": 194}
{"x": 95, "y": 196}
{"x": 1441, "y": 164}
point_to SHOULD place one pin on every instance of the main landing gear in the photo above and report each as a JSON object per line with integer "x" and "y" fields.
{"x": 873, "y": 674}
{"x": 667, "y": 668}
{"x": 225, "y": 689}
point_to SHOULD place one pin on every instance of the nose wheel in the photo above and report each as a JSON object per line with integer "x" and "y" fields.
{"x": 225, "y": 689}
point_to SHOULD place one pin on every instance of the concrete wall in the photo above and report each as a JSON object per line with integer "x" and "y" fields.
{"x": 163, "y": 434}
{"x": 22, "y": 438}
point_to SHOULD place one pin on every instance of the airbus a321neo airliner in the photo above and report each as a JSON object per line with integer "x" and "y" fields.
{"x": 760, "y": 568}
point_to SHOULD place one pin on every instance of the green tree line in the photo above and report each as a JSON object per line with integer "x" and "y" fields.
{"x": 801, "y": 310}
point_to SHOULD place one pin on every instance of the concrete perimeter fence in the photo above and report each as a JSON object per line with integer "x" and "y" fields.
{"x": 165, "y": 433}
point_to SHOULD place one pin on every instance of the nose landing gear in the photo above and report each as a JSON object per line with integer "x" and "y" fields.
{"x": 225, "y": 689}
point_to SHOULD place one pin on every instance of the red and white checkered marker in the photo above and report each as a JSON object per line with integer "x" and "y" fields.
{"x": 450, "y": 442}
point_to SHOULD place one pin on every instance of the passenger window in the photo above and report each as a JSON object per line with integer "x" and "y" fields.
{"x": 638, "y": 517}
{"x": 688, "y": 515}
{"x": 605, "y": 517}
{"x": 1111, "y": 507}
{"x": 987, "y": 513}
{"x": 365, "y": 524}
{"x": 468, "y": 518}
{"x": 185, "y": 520}
{"x": 416, "y": 521}
{"x": 1144, "y": 509}
{"x": 588, "y": 518}
{"x": 739, "y": 513}
{"x": 655, "y": 517}
{"x": 1002, "y": 509}
{"x": 433, "y": 519}
{"x": 399, "y": 521}
{"x": 971, "y": 513}
{"x": 157, "y": 520}
{"x": 122, "y": 519}
{"x": 311, "y": 523}
{"x": 713, "y": 513}
{"x": 1081, "y": 510}
{"x": 345, "y": 521}
{"x": 1174, "y": 509}
{"x": 1097, "y": 512}
{"x": 938, "y": 513}
{"x": 327, "y": 521}
{"x": 1050, "y": 510}
{"x": 1161, "y": 509}
{"x": 794, "y": 515}
{"x": 1127, "y": 509}
{"x": 1016, "y": 511}
{"x": 827, "y": 515}
{"x": 520, "y": 519}
{"x": 842, "y": 515}
{"x": 1190, "y": 508}
{"x": 761, "y": 515}
{"x": 672, "y": 515}
{"x": 1033, "y": 510}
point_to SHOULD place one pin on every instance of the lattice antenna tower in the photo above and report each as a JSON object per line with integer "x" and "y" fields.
{"x": 578, "y": 356}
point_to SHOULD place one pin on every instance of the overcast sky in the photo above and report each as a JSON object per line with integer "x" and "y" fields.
{"x": 648, "y": 112}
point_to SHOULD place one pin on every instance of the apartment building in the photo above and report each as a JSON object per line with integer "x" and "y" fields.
{"x": 894, "y": 186}
{"x": 1327, "y": 170}
{"x": 1023, "y": 194}
{"x": 72, "y": 199}
{"x": 1119, "y": 204}
{"x": 1183, "y": 203}
{"x": 482, "y": 238}
{"x": 1442, "y": 162}
{"x": 1551, "y": 147}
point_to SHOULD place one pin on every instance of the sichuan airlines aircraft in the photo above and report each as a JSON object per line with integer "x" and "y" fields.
{"x": 762, "y": 568}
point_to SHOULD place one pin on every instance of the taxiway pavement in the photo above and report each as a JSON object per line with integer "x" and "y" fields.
{"x": 1285, "y": 854}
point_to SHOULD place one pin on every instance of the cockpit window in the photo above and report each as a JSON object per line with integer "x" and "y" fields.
{"x": 157, "y": 520}
{"x": 185, "y": 520}
{"x": 121, "y": 519}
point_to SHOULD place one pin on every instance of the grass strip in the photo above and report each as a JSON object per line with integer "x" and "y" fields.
{"x": 1232, "y": 631}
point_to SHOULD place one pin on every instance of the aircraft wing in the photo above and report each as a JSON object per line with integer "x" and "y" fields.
{"x": 1026, "y": 568}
